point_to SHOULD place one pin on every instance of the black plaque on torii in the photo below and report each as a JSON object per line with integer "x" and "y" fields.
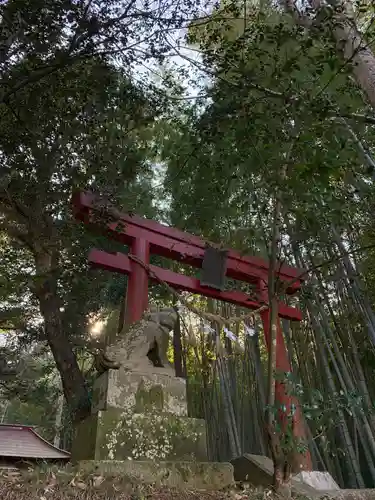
{"x": 214, "y": 268}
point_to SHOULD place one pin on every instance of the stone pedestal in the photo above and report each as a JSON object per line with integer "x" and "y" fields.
{"x": 182, "y": 475}
{"x": 140, "y": 416}
{"x": 258, "y": 471}
{"x": 139, "y": 425}
{"x": 140, "y": 393}
{"x": 117, "y": 435}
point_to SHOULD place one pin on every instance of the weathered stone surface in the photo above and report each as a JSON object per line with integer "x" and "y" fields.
{"x": 188, "y": 475}
{"x": 84, "y": 444}
{"x": 254, "y": 469}
{"x": 139, "y": 411}
{"x": 140, "y": 392}
{"x": 351, "y": 494}
{"x": 258, "y": 471}
{"x": 132, "y": 351}
{"x": 318, "y": 480}
{"x": 118, "y": 435}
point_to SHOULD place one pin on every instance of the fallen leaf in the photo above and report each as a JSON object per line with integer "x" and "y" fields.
{"x": 81, "y": 485}
{"x": 52, "y": 481}
{"x": 13, "y": 476}
{"x": 75, "y": 483}
{"x": 97, "y": 481}
{"x": 14, "y": 473}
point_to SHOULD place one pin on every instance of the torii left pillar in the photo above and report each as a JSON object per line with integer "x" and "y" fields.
{"x": 137, "y": 290}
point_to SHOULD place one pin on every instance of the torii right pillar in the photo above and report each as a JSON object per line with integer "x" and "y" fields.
{"x": 302, "y": 461}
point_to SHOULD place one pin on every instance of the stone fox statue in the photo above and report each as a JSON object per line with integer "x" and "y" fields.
{"x": 143, "y": 347}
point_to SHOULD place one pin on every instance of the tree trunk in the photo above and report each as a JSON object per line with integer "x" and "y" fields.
{"x": 177, "y": 349}
{"x": 353, "y": 470}
{"x": 276, "y": 423}
{"x": 58, "y": 420}
{"x": 234, "y": 442}
{"x": 282, "y": 481}
{"x": 73, "y": 382}
{"x": 350, "y": 42}
{"x": 355, "y": 283}
{"x": 355, "y": 50}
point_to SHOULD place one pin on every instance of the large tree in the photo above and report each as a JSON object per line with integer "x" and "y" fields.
{"x": 69, "y": 119}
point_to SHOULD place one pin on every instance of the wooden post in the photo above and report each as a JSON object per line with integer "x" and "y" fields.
{"x": 282, "y": 397}
{"x": 137, "y": 291}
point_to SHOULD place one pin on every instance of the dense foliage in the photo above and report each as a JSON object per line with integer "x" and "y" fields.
{"x": 272, "y": 155}
{"x": 71, "y": 119}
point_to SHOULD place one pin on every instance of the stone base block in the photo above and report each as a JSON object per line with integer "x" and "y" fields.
{"x": 254, "y": 469}
{"x": 258, "y": 471}
{"x": 118, "y": 435}
{"x": 322, "y": 481}
{"x": 139, "y": 392}
{"x": 185, "y": 475}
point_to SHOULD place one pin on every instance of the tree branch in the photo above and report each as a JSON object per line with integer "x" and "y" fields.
{"x": 301, "y": 19}
{"x": 357, "y": 116}
{"x": 323, "y": 264}
{"x": 16, "y": 232}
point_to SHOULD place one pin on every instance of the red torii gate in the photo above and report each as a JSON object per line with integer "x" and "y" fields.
{"x": 145, "y": 236}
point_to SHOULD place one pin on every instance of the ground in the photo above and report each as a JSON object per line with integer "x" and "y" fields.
{"x": 61, "y": 484}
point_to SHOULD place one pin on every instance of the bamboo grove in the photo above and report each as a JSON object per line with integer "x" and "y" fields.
{"x": 284, "y": 114}
{"x": 255, "y": 103}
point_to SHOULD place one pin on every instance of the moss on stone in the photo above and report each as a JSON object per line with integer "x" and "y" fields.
{"x": 154, "y": 436}
{"x": 140, "y": 392}
{"x": 85, "y": 439}
{"x": 149, "y": 400}
{"x": 204, "y": 475}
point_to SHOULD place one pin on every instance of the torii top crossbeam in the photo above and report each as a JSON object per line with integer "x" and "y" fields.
{"x": 186, "y": 248}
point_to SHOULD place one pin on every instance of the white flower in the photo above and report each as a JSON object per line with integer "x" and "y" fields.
{"x": 249, "y": 330}
{"x": 230, "y": 334}
{"x": 208, "y": 329}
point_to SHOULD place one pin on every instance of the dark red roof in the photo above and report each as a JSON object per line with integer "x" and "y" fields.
{"x": 21, "y": 441}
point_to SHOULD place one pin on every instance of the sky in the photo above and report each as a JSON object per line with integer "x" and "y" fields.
{"x": 181, "y": 56}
